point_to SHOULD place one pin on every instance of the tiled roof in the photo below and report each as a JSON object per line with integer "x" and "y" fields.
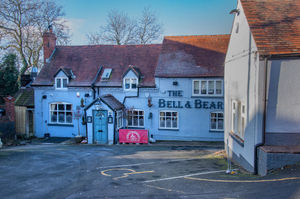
{"x": 275, "y": 25}
{"x": 84, "y": 61}
{"x": 192, "y": 56}
{"x": 112, "y": 102}
{"x": 25, "y": 97}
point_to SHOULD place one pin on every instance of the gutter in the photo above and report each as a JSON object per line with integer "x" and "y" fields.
{"x": 94, "y": 81}
{"x": 264, "y": 118}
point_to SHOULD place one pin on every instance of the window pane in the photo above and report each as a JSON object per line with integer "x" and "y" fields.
{"x": 69, "y": 107}
{"x": 220, "y": 115}
{"x": 61, "y": 117}
{"x": 196, "y": 87}
{"x": 141, "y": 112}
{"x": 65, "y": 83}
{"x": 174, "y": 114}
{"x": 211, "y": 87}
{"x": 61, "y": 107}
{"x": 162, "y": 122}
{"x": 133, "y": 85}
{"x": 168, "y": 122}
{"x": 53, "y": 107}
{"x": 58, "y": 83}
{"x": 220, "y": 124}
{"x": 213, "y": 115}
{"x": 127, "y": 83}
{"x": 174, "y": 122}
{"x": 213, "y": 123}
{"x": 129, "y": 120}
{"x": 218, "y": 87}
{"x": 141, "y": 121}
{"x": 135, "y": 120}
{"x": 203, "y": 87}
{"x": 135, "y": 113}
{"x": 168, "y": 113}
{"x": 54, "y": 116}
{"x": 162, "y": 114}
{"x": 69, "y": 117}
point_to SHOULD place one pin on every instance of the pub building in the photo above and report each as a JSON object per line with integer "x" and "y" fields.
{"x": 133, "y": 93}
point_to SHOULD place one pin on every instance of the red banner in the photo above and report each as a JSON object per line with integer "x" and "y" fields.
{"x": 133, "y": 136}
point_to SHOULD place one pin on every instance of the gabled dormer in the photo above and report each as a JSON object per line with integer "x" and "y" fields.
{"x": 62, "y": 78}
{"x": 131, "y": 78}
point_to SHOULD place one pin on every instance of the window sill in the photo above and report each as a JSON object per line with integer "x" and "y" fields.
{"x": 236, "y": 138}
{"x": 67, "y": 125}
{"x": 216, "y": 131}
{"x": 168, "y": 129}
{"x": 133, "y": 127}
{"x": 206, "y": 96}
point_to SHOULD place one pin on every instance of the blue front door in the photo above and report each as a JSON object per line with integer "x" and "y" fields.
{"x": 100, "y": 126}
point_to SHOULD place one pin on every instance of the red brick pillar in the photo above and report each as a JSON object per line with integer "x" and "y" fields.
{"x": 10, "y": 108}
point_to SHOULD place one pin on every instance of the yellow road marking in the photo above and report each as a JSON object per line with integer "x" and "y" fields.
{"x": 270, "y": 180}
{"x": 126, "y": 174}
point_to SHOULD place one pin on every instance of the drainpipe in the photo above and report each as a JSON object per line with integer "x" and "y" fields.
{"x": 124, "y": 100}
{"x": 94, "y": 81}
{"x": 264, "y": 118}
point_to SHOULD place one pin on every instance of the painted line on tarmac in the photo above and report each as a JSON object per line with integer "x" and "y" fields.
{"x": 165, "y": 189}
{"x": 125, "y": 174}
{"x": 145, "y": 163}
{"x": 176, "y": 177}
{"x": 246, "y": 181}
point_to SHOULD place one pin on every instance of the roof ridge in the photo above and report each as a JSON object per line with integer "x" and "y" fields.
{"x": 198, "y": 35}
{"x": 113, "y": 45}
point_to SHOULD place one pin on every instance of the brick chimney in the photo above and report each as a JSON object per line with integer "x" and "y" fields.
{"x": 49, "y": 43}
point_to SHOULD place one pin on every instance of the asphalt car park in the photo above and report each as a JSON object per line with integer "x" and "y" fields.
{"x": 133, "y": 171}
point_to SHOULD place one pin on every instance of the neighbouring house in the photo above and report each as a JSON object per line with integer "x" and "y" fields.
{"x": 173, "y": 90}
{"x": 262, "y": 126}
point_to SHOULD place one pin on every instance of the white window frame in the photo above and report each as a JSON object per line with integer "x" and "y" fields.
{"x": 119, "y": 119}
{"x": 138, "y": 115}
{"x": 61, "y": 83}
{"x": 243, "y": 120}
{"x": 217, "y": 119}
{"x": 164, "y": 127}
{"x": 131, "y": 79}
{"x": 238, "y": 119}
{"x": 200, "y": 81}
{"x": 65, "y": 111}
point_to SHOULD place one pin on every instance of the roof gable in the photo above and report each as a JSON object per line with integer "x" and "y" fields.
{"x": 192, "y": 56}
{"x": 275, "y": 25}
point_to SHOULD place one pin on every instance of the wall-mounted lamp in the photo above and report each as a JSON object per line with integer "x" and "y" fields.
{"x": 78, "y": 94}
{"x": 149, "y": 101}
{"x": 235, "y": 11}
{"x": 44, "y": 97}
{"x": 150, "y": 115}
{"x": 86, "y": 95}
{"x": 110, "y": 119}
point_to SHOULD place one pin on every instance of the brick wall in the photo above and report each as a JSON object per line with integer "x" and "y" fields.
{"x": 9, "y": 108}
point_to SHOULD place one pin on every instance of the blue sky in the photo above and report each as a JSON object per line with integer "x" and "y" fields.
{"x": 179, "y": 17}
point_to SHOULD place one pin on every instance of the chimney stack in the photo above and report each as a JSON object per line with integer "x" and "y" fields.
{"x": 49, "y": 43}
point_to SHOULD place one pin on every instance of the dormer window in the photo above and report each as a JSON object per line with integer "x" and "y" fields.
{"x": 61, "y": 82}
{"x": 130, "y": 83}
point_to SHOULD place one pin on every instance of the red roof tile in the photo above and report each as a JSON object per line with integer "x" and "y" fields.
{"x": 84, "y": 61}
{"x": 275, "y": 25}
{"x": 192, "y": 56}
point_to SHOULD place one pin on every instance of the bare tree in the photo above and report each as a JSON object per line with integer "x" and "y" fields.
{"x": 22, "y": 23}
{"x": 148, "y": 27}
{"x": 121, "y": 29}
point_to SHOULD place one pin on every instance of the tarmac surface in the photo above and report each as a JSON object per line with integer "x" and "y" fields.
{"x": 161, "y": 170}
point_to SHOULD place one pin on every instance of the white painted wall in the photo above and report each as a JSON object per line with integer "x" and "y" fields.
{"x": 283, "y": 105}
{"x": 244, "y": 82}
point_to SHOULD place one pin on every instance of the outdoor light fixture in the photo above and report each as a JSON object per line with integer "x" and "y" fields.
{"x": 110, "y": 119}
{"x": 175, "y": 83}
{"x": 235, "y": 11}
{"x": 78, "y": 94}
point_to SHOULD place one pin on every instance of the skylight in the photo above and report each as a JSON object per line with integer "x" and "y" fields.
{"x": 106, "y": 74}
